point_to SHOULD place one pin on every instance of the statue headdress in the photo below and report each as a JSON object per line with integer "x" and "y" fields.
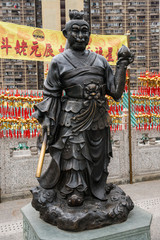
{"x": 75, "y": 16}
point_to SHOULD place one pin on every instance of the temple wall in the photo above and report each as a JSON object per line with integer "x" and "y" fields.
{"x": 145, "y": 156}
{"x": 18, "y": 167}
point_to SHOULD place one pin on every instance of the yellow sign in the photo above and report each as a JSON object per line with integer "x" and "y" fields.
{"x": 30, "y": 43}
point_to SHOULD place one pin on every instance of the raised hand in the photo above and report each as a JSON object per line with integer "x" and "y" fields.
{"x": 125, "y": 54}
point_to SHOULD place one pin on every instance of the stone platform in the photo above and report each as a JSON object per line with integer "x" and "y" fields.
{"x": 136, "y": 227}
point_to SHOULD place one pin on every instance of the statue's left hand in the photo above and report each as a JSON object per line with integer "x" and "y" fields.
{"x": 124, "y": 54}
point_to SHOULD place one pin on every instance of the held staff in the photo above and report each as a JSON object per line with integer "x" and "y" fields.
{"x": 42, "y": 154}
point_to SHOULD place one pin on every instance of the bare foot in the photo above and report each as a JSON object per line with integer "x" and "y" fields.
{"x": 75, "y": 200}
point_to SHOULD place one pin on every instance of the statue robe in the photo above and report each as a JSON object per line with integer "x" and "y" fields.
{"x": 81, "y": 145}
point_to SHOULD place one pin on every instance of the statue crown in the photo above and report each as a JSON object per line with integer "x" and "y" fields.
{"x": 75, "y": 14}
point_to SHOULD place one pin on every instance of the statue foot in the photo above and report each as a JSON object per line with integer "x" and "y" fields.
{"x": 75, "y": 200}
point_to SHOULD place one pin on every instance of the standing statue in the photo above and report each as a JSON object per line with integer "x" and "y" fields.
{"x": 79, "y": 142}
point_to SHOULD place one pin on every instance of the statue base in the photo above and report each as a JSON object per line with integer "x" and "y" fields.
{"x": 136, "y": 227}
{"x": 96, "y": 213}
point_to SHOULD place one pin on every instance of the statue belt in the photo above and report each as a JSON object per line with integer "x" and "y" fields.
{"x": 91, "y": 96}
{"x": 88, "y": 91}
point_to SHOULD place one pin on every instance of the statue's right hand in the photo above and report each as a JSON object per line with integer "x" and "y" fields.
{"x": 46, "y": 124}
{"x": 43, "y": 120}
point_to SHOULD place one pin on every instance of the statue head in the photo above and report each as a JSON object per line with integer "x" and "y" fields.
{"x": 77, "y": 31}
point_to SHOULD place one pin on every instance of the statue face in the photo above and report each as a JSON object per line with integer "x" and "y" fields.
{"x": 78, "y": 36}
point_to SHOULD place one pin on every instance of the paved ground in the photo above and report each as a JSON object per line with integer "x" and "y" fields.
{"x": 145, "y": 195}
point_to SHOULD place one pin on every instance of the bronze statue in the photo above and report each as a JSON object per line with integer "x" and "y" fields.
{"x": 79, "y": 129}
